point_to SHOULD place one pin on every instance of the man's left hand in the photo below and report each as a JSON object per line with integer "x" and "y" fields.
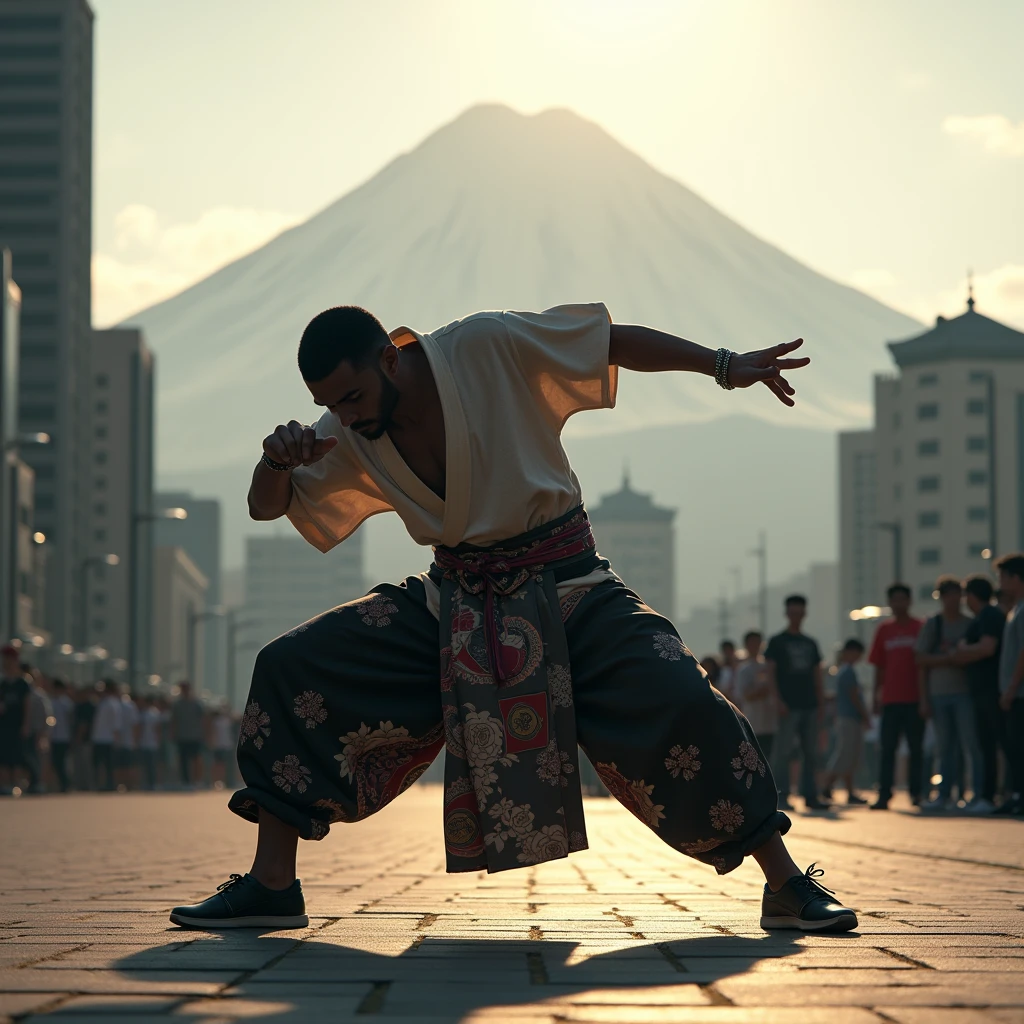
{"x": 766, "y": 367}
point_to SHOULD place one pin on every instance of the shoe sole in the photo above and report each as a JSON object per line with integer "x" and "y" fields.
{"x": 836, "y": 924}
{"x": 295, "y": 921}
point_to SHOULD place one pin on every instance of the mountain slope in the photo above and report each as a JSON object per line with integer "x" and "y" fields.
{"x": 499, "y": 210}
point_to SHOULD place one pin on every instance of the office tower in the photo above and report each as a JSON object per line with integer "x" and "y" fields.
{"x": 117, "y": 599}
{"x": 179, "y": 598}
{"x": 46, "y": 221}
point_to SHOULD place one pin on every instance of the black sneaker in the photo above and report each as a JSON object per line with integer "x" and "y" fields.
{"x": 814, "y": 804}
{"x": 242, "y": 902}
{"x": 857, "y": 801}
{"x": 805, "y": 904}
{"x": 880, "y": 805}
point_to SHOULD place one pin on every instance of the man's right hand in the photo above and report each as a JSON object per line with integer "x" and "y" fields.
{"x": 296, "y": 445}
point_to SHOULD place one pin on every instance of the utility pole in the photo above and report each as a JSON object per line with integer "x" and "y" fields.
{"x": 761, "y": 554}
{"x": 233, "y": 627}
{"x": 723, "y": 617}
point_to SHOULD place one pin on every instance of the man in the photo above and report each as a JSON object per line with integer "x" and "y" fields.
{"x": 187, "y": 718}
{"x": 86, "y": 701}
{"x": 727, "y": 675}
{"x": 794, "y": 668}
{"x": 15, "y": 717}
{"x": 978, "y": 654}
{"x": 40, "y": 717}
{"x": 897, "y": 695}
{"x": 755, "y": 695}
{"x": 105, "y": 725}
{"x": 63, "y": 729}
{"x": 945, "y": 696}
{"x": 1011, "y": 672}
{"x": 126, "y": 742}
{"x": 852, "y": 719}
{"x": 517, "y": 642}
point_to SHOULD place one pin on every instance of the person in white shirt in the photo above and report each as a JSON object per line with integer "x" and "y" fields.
{"x": 105, "y": 725}
{"x": 727, "y": 673}
{"x": 126, "y": 742}
{"x": 61, "y": 733}
{"x": 754, "y": 693}
{"x": 223, "y": 737}
{"x": 150, "y": 721}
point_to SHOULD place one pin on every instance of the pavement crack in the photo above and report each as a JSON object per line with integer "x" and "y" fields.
{"x": 904, "y": 959}
{"x": 537, "y": 971}
{"x": 425, "y": 921}
{"x": 715, "y": 997}
{"x": 373, "y": 1001}
{"x": 51, "y": 957}
{"x": 677, "y": 965}
{"x": 535, "y": 932}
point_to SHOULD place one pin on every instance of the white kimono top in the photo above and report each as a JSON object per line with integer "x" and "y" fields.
{"x": 507, "y": 383}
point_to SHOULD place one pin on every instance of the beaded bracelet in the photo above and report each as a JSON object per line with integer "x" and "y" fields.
{"x": 722, "y": 358}
{"x": 277, "y": 467}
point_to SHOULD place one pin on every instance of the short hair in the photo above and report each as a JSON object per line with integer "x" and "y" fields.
{"x": 853, "y": 644}
{"x": 726, "y": 643}
{"x": 946, "y": 583}
{"x": 980, "y": 587}
{"x": 752, "y": 634}
{"x": 899, "y": 588}
{"x": 795, "y": 599}
{"x": 1012, "y": 565}
{"x": 336, "y": 335}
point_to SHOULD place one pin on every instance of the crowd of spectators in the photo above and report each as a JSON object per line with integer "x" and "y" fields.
{"x": 54, "y": 736}
{"x": 945, "y": 691}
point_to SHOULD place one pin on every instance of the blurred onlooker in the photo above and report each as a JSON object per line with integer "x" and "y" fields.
{"x": 149, "y": 740}
{"x": 81, "y": 748}
{"x": 15, "y": 727}
{"x": 852, "y": 719}
{"x": 126, "y": 742}
{"x": 978, "y": 653}
{"x": 62, "y": 732}
{"x": 105, "y": 725}
{"x": 40, "y": 717}
{"x": 794, "y": 668}
{"x": 1011, "y": 672}
{"x": 710, "y": 665}
{"x": 754, "y": 694}
{"x": 897, "y": 695}
{"x": 727, "y": 672}
{"x": 187, "y": 733}
{"x": 222, "y": 742}
{"x": 944, "y": 693}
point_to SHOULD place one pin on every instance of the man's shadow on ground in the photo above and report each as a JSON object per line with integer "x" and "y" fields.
{"x": 283, "y": 979}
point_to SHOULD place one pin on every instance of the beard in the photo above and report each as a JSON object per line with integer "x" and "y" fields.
{"x": 376, "y": 428}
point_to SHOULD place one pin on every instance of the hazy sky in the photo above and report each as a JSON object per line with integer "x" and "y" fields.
{"x": 880, "y": 142}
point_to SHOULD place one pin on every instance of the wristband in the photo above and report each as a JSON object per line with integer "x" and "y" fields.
{"x": 277, "y": 467}
{"x": 722, "y": 359}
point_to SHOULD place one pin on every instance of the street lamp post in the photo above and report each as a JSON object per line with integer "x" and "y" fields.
{"x": 194, "y": 618}
{"x": 761, "y": 554}
{"x": 137, "y": 520}
{"x": 86, "y": 564}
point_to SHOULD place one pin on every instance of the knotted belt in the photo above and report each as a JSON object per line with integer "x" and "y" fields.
{"x": 512, "y": 789}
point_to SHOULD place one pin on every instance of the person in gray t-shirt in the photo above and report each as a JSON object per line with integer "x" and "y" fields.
{"x": 1011, "y": 672}
{"x": 945, "y": 696}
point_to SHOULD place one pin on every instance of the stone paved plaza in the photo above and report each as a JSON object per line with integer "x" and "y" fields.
{"x": 625, "y": 932}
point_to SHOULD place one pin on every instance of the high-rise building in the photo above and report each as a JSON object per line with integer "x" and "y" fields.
{"x": 117, "y": 600}
{"x": 638, "y": 538}
{"x": 46, "y": 221}
{"x": 199, "y": 536}
{"x": 947, "y": 490}
{"x": 179, "y": 598}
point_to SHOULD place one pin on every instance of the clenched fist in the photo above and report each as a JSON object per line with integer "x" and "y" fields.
{"x": 296, "y": 445}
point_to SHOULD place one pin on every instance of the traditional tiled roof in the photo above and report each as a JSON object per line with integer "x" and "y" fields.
{"x": 968, "y": 336}
{"x": 629, "y": 506}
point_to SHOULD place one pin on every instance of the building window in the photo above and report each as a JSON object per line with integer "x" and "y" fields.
{"x": 977, "y": 444}
{"x": 101, "y": 483}
{"x": 928, "y": 519}
{"x": 977, "y": 514}
{"x": 101, "y": 432}
{"x": 100, "y": 457}
{"x": 975, "y": 406}
{"x": 977, "y": 477}
{"x": 929, "y": 556}
{"x": 929, "y": 447}
{"x": 99, "y": 599}
{"x": 101, "y": 406}
{"x": 99, "y": 625}
{"x": 99, "y": 535}
{"x": 928, "y": 411}
{"x": 978, "y": 376}
{"x": 102, "y": 380}
{"x": 926, "y": 484}
{"x": 927, "y": 380}
{"x": 976, "y": 550}
{"x": 100, "y": 508}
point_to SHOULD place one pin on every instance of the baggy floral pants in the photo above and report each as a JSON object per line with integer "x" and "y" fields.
{"x": 344, "y": 713}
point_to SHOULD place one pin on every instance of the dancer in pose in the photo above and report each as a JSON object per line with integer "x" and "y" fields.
{"x": 518, "y": 644}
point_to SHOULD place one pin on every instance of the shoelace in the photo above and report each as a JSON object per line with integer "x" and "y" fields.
{"x": 234, "y": 880}
{"x": 809, "y": 881}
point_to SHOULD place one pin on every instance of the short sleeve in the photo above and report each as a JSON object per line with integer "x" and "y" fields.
{"x": 333, "y": 496}
{"x": 773, "y": 650}
{"x": 991, "y": 623}
{"x": 817, "y": 652}
{"x": 564, "y": 354}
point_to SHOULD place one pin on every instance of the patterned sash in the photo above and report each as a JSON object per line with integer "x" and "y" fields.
{"x": 512, "y": 790}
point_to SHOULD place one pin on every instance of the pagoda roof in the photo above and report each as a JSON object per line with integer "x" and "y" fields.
{"x": 628, "y": 506}
{"x": 968, "y": 336}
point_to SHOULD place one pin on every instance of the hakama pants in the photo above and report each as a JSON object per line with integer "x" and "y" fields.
{"x": 344, "y": 714}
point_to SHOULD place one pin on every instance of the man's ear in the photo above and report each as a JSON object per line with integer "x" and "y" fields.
{"x": 389, "y": 359}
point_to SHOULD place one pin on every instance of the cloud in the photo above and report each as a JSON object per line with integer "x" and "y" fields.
{"x": 152, "y": 260}
{"x": 998, "y": 294}
{"x": 996, "y": 133}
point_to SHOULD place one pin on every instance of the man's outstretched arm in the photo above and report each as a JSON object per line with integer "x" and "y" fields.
{"x": 649, "y": 351}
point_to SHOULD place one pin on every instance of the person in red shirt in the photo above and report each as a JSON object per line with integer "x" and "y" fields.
{"x": 896, "y": 694}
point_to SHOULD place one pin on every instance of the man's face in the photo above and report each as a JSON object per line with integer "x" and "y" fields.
{"x": 974, "y": 602}
{"x": 950, "y": 599}
{"x": 363, "y": 400}
{"x": 1012, "y": 586}
{"x": 796, "y": 613}
{"x": 899, "y": 602}
{"x": 753, "y": 645}
{"x": 728, "y": 653}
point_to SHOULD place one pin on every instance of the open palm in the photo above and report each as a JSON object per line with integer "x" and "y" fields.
{"x": 766, "y": 366}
